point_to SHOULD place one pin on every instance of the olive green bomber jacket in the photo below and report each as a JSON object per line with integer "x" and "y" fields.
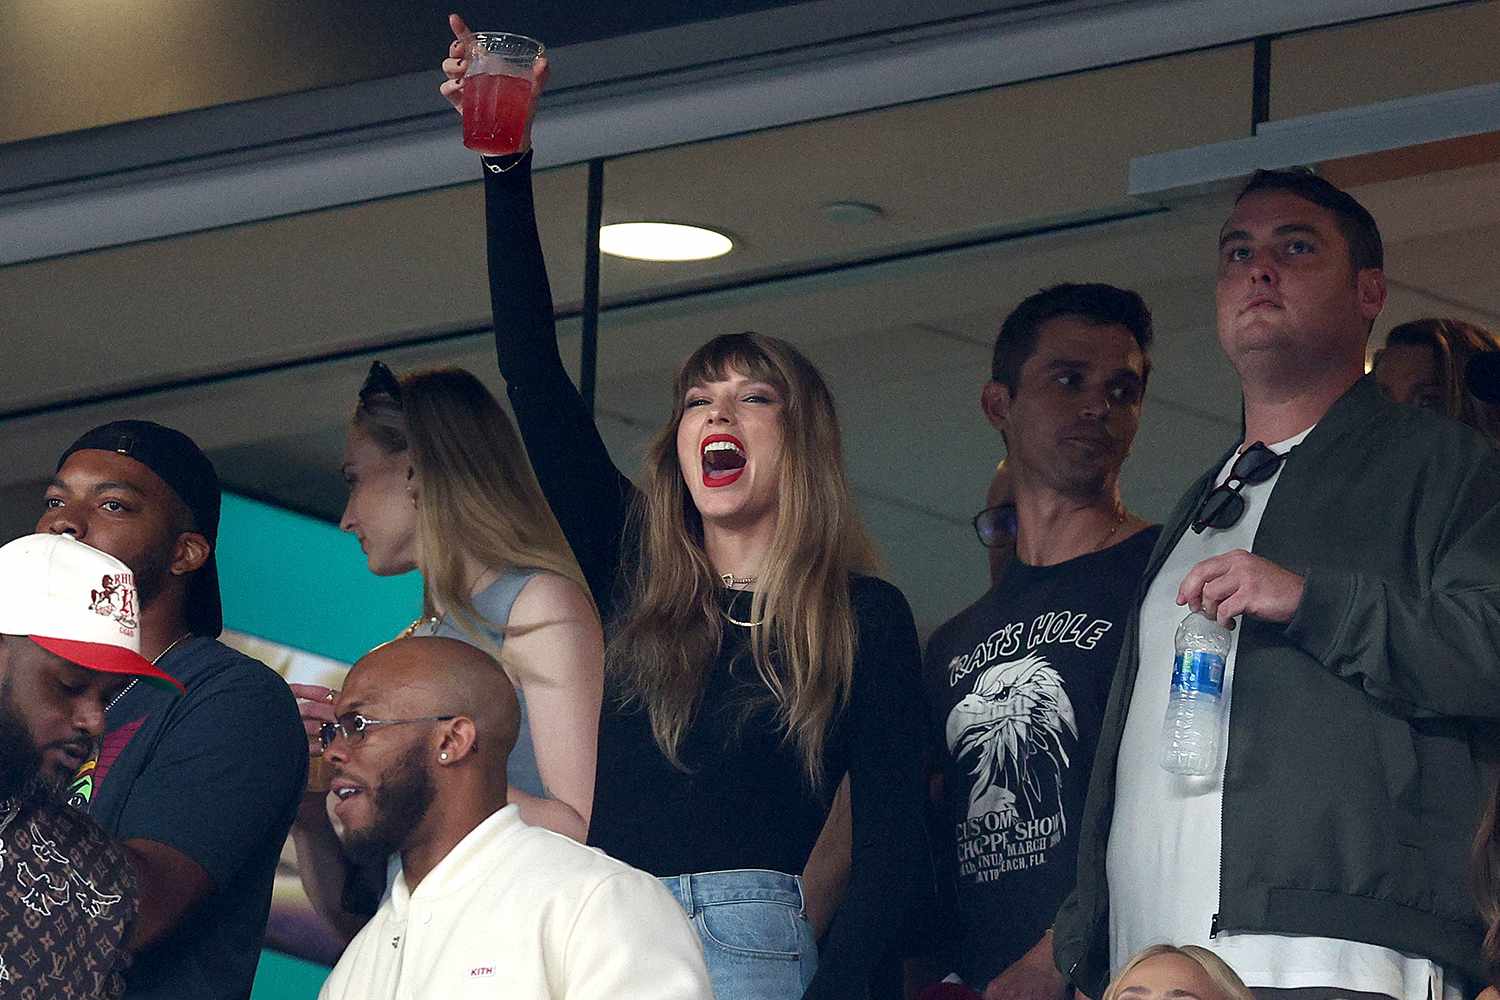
{"x": 1350, "y": 790}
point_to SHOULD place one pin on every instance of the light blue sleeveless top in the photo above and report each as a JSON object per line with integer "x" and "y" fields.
{"x": 493, "y": 604}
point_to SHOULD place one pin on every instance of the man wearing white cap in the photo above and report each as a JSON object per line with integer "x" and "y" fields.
{"x": 69, "y": 641}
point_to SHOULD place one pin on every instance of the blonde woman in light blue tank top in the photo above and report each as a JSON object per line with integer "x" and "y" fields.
{"x": 439, "y": 482}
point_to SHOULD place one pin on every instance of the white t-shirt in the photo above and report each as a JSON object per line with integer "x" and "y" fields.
{"x": 519, "y": 911}
{"x": 1166, "y": 841}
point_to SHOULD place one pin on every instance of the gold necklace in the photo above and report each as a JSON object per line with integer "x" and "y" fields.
{"x": 1120, "y": 514}
{"x": 736, "y": 582}
{"x": 158, "y": 658}
{"x": 729, "y": 580}
{"x": 433, "y": 620}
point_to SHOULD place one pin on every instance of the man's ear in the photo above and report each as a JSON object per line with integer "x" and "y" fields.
{"x": 1370, "y": 283}
{"x": 995, "y": 400}
{"x": 460, "y": 739}
{"x": 190, "y": 553}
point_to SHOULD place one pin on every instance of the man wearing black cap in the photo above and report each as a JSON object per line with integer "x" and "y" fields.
{"x": 201, "y": 788}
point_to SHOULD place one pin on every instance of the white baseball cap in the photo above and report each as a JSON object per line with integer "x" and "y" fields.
{"x": 76, "y": 602}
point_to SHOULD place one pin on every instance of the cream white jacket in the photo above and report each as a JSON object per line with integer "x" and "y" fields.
{"x": 519, "y": 911}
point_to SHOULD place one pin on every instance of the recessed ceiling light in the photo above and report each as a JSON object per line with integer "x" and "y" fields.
{"x": 665, "y": 241}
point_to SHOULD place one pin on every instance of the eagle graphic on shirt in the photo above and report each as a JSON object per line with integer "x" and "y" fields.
{"x": 1009, "y": 731}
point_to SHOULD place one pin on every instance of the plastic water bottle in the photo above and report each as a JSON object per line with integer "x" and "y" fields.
{"x": 1195, "y": 709}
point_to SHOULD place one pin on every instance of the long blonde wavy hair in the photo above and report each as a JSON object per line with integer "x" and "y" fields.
{"x": 804, "y": 640}
{"x": 476, "y": 492}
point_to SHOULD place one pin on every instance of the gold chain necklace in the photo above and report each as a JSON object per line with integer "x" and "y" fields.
{"x": 158, "y": 658}
{"x": 433, "y": 620}
{"x": 735, "y": 583}
{"x": 1120, "y": 514}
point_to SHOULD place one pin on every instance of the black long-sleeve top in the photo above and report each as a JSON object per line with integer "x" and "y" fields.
{"x": 741, "y": 801}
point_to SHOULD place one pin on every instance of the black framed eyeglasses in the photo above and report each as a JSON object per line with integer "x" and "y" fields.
{"x": 996, "y": 526}
{"x": 1224, "y": 506}
{"x": 380, "y": 381}
{"x": 352, "y": 727}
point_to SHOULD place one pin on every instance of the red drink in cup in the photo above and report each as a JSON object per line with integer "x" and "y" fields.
{"x": 500, "y": 88}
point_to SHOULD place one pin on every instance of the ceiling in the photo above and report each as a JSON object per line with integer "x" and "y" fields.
{"x": 244, "y": 50}
{"x": 254, "y": 337}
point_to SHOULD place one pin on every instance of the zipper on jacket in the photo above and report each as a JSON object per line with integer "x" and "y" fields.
{"x": 1213, "y": 925}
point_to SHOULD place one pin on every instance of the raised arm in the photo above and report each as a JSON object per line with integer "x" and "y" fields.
{"x": 891, "y": 872}
{"x": 588, "y": 494}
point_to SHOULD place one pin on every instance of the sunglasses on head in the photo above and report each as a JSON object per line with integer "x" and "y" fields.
{"x": 380, "y": 381}
{"x": 1224, "y": 506}
{"x": 996, "y": 526}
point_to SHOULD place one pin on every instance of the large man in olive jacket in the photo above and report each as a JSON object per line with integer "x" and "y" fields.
{"x": 1355, "y": 547}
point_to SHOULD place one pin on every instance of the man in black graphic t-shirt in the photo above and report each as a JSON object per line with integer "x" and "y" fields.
{"x": 1018, "y": 681}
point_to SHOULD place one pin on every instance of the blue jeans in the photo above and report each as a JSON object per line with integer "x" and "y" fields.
{"x": 756, "y": 939}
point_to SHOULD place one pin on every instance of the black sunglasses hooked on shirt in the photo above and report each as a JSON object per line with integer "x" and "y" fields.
{"x": 1223, "y": 507}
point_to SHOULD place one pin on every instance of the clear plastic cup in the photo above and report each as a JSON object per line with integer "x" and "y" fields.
{"x": 500, "y": 88}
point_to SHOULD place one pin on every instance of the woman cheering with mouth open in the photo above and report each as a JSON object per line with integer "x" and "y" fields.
{"x": 751, "y": 660}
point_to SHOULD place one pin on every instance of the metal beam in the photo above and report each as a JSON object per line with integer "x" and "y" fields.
{"x": 588, "y": 359}
{"x": 1318, "y": 139}
{"x": 423, "y": 152}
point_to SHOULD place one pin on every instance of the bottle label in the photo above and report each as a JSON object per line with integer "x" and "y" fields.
{"x": 1199, "y": 671}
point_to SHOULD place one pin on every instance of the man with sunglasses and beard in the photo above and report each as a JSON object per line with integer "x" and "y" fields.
{"x": 483, "y": 904}
{"x": 1018, "y": 681}
{"x": 1351, "y": 546}
{"x": 202, "y": 787}
{"x": 68, "y": 894}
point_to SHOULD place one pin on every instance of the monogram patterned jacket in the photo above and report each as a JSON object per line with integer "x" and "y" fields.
{"x": 67, "y": 898}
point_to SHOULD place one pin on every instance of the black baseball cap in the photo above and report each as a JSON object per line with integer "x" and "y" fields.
{"x": 181, "y": 464}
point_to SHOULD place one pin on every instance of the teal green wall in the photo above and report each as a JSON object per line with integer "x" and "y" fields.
{"x": 302, "y": 582}
{"x": 282, "y": 977}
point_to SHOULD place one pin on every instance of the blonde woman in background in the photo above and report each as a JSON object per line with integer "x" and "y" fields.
{"x": 1186, "y": 973}
{"x": 1425, "y": 363}
{"x": 439, "y": 482}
